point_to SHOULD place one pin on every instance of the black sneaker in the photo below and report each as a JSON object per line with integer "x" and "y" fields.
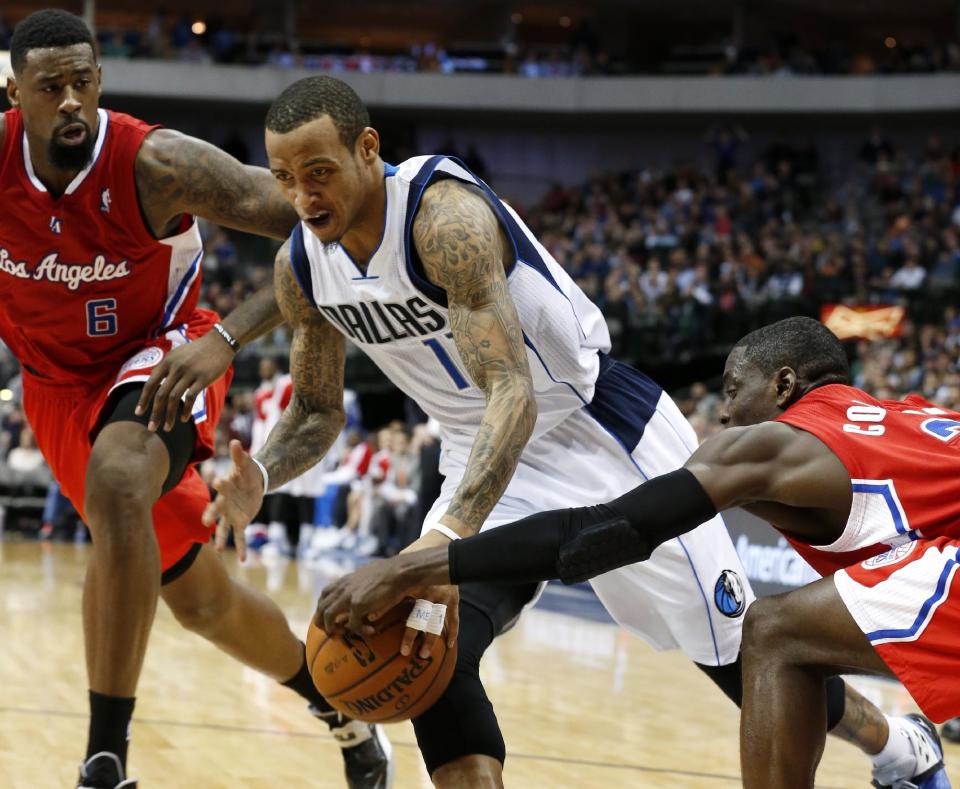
{"x": 104, "y": 771}
{"x": 367, "y": 753}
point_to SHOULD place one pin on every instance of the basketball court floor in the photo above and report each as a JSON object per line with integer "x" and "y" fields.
{"x": 581, "y": 703}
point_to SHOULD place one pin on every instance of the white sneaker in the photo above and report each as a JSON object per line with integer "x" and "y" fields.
{"x": 923, "y": 768}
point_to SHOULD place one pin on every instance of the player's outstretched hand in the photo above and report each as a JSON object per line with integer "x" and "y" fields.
{"x": 239, "y": 496}
{"x": 181, "y": 375}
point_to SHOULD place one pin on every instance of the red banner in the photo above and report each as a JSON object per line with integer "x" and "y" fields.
{"x": 872, "y": 322}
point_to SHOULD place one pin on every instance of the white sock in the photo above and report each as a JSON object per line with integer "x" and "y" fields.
{"x": 898, "y": 745}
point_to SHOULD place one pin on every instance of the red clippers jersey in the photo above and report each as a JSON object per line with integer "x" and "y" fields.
{"x": 904, "y": 464}
{"x": 83, "y": 283}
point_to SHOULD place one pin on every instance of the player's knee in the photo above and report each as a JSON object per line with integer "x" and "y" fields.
{"x": 764, "y": 634}
{"x": 462, "y": 723}
{"x": 115, "y": 487}
{"x": 203, "y": 617}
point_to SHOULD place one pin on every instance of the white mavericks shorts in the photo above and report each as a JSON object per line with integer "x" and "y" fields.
{"x": 692, "y": 593}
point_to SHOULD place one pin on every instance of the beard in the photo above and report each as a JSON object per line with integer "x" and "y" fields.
{"x": 71, "y": 157}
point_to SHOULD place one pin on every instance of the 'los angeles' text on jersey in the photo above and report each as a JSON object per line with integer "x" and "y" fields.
{"x": 72, "y": 275}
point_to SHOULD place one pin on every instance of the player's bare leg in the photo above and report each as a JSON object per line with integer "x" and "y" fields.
{"x": 250, "y": 627}
{"x": 239, "y": 620}
{"x": 469, "y": 772}
{"x": 125, "y": 476}
{"x": 791, "y": 643}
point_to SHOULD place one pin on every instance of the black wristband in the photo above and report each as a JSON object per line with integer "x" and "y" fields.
{"x": 228, "y": 338}
{"x": 581, "y": 543}
{"x": 629, "y": 529}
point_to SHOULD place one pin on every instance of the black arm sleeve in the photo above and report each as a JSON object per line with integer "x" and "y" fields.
{"x": 578, "y": 544}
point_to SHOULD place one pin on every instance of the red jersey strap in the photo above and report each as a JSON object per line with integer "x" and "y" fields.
{"x": 822, "y": 413}
{"x": 125, "y": 136}
{"x": 11, "y": 156}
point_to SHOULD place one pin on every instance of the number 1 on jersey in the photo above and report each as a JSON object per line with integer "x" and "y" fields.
{"x": 441, "y": 353}
{"x": 101, "y": 317}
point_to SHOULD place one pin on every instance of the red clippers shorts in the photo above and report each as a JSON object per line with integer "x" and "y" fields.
{"x": 907, "y": 603}
{"x": 66, "y": 418}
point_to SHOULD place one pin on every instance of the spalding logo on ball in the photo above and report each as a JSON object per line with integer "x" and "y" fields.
{"x": 366, "y": 677}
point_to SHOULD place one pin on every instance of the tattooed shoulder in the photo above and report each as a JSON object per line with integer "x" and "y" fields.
{"x": 293, "y": 302}
{"x": 458, "y": 236}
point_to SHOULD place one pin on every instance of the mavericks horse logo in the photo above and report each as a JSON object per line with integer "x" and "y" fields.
{"x": 728, "y": 594}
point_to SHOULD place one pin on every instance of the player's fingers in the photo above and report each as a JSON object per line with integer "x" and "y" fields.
{"x": 330, "y": 615}
{"x": 150, "y": 387}
{"x": 356, "y": 622}
{"x": 237, "y": 455}
{"x": 211, "y": 513}
{"x": 428, "y": 644}
{"x": 190, "y": 397}
{"x": 408, "y": 640}
{"x": 174, "y": 398}
{"x": 222, "y": 531}
{"x": 240, "y": 540}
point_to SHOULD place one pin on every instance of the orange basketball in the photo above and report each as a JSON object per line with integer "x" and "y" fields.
{"x": 368, "y": 679}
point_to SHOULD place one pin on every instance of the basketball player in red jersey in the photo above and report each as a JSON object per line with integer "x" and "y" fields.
{"x": 867, "y": 491}
{"x": 99, "y": 279}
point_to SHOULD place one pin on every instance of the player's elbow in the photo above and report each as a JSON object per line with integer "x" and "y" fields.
{"x": 336, "y": 418}
{"x": 523, "y": 401}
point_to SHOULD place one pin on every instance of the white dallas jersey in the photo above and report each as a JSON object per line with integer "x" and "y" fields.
{"x": 610, "y": 426}
{"x": 399, "y": 319}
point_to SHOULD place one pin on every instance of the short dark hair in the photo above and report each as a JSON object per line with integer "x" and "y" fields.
{"x": 44, "y": 29}
{"x": 309, "y": 98}
{"x": 804, "y": 344}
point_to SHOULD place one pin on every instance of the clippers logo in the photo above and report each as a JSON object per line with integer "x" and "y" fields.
{"x": 148, "y": 357}
{"x": 889, "y": 557}
{"x": 728, "y": 594}
{"x": 55, "y": 225}
{"x": 105, "y": 201}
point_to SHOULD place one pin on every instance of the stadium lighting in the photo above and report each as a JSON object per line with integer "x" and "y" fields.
{"x": 890, "y": 42}
{"x": 199, "y": 27}
{"x": 6, "y": 394}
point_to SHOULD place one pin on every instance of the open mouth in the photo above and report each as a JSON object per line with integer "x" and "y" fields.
{"x": 73, "y": 134}
{"x": 320, "y": 220}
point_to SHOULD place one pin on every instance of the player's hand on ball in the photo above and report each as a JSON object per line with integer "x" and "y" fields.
{"x": 346, "y": 604}
{"x": 239, "y": 496}
{"x": 182, "y": 375}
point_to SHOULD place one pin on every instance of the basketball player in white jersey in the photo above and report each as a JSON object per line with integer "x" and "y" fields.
{"x": 428, "y": 272}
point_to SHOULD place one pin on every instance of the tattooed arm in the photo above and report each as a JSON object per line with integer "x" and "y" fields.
{"x": 177, "y": 174}
{"x": 315, "y": 416}
{"x": 306, "y": 429}
{"x": 464, "y": 251}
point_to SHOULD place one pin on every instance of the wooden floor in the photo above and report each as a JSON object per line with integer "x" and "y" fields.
{"x": 581, "y": 703}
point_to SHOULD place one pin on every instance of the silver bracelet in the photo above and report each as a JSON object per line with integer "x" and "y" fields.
{"x": 266, "y": 476}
